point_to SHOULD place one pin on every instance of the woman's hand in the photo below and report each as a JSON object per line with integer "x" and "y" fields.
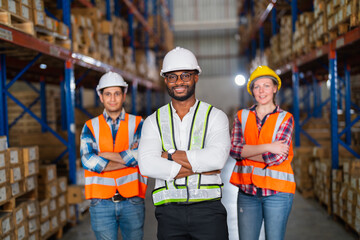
{"x": 279, "y": 147}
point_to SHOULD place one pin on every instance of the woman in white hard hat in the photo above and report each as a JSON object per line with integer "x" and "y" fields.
{"x": 261, "y": 144}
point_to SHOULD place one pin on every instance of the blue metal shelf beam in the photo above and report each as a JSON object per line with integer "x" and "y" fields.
{"x": 334, "y": 117}
{"x": 70, "y": 106}
{"x": 43, "y": 102}
{"x": 347, "y": 104}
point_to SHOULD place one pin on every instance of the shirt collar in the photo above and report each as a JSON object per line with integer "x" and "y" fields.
{"x": 192, "y": 109}
{"x": 277, "y": 109}
{"x": 121, "y": 116}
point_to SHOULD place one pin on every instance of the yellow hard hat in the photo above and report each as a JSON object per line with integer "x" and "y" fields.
{"x": 263, "y": 71}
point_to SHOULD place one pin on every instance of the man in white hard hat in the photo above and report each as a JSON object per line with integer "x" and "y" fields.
{"x": 184, "y": 146}
{"x": 109, "y": 155}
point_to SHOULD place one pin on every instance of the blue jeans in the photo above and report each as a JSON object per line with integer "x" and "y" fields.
{"x": 107, "y": 216}
{"x": 274, "y": 209}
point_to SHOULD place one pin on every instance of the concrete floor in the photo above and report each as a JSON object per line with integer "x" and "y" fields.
{"x": 308, "y": 220}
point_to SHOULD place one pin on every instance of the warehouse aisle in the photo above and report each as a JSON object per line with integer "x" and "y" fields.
{"x": 308, "y": 220}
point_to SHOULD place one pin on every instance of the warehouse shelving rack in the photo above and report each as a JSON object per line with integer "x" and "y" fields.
{"x": 346, "y": 45}
{"x": 63, "y": 71}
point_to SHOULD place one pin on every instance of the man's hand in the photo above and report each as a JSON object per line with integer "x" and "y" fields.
{"x": 111, "y": 166}
{"x": 112, "y": 157}
{"x": 179, "y": 157}
{"x": 212, "y": 172}
{"x": 164, "y": 155}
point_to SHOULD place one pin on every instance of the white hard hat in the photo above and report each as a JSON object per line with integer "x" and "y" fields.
{"x": 111, "y": 79}
{"x": 179, "y": 59}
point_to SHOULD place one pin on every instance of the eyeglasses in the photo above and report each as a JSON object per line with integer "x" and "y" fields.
{"x": 172, "y": 78}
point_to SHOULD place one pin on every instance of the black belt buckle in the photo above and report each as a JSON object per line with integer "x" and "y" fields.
{"x": 117, "y": 198}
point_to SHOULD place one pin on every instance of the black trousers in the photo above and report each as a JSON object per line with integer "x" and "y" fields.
{"x": 200, "y": 221}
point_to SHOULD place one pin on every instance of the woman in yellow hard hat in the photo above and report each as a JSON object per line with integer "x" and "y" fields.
{"x": 261, "y": 144}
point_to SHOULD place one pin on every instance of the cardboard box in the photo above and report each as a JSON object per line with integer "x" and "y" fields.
{"x": 39, "y": 18}
{"x": 62, "y": 29}
{"x": 26, "y": 12}
{"x": 33, "y": 225}
{"x": 17, "y": 188}
{"x": 38, "y": 5}
{"x": 50, "y": 24}
{"x": 53, "y": 206}
{"x": 31, "y": 168}
{"x": 62, "y": 216}
{"x": 62, "y": 201}
{"x": 14, "y": 7}
{"x": 20, "y": 214}
{"x": 30, "y": 183}
{"x": 31, "y": 207}
{"x": 30, "y": 153}
{"x": 6, "y": 222}
{"x": 106, "y": 27}
{"x": 76, "y": 194}
{"x": 49, "y": 190}
{"x": 4, "y": 176}
{"x": 54, "y": 223}
{"x": 71, "y": 212}
{"x": 35, "y": 235}
{"x": 16, "y": 174}
{"x": 4, "y": 159}
{"x": 3, "y": 139}
{"x": 5, "y": 193}
{"x": 62, "y": 184}
{"x": 15, "y": 155}
{"x": 44, "y": 210}
{"x": 47, "y": 173}
{"x": 9, "y": 236}
{"x": 45, "y": 228}
{"x": 26, "y": 2}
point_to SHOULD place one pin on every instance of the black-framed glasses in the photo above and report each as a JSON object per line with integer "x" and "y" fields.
{"x": 172, "y": 78}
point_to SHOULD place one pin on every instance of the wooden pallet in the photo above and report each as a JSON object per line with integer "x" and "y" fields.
{"x": 11, "y": 204}
{"x": 17, "y": 22}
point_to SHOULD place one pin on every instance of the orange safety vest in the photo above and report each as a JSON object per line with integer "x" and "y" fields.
{"x": 128, "y": 181}
{"x": 277, "y": 177}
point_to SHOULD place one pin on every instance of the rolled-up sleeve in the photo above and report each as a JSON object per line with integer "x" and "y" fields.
{"x": 150, "y": 162}
{"x": 217, "y": 145}
{"x": 89, "y": 153}
{"x": 237, "y": 139}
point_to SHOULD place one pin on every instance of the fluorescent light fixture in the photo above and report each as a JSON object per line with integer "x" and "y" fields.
{"x": 43, "y": 66}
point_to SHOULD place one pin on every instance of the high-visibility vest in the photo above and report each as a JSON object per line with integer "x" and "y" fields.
{"x": 128, "y": 181}
{"x": 277, "y": 177}
{"x": 194, "y": 188}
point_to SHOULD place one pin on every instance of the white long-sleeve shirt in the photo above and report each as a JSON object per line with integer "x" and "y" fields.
{"x": 212, "y": 157}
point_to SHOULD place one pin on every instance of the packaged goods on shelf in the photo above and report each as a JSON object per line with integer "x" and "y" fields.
{"x": 129, "y": 65}
{"x": 141, "y": 63}
{"x": 75, "y": 194}
{"x": 3, "y": 143}
{"x": 26, "y": 123}
{"x": 6, "y": 223}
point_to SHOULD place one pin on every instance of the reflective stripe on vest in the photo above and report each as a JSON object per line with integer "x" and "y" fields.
{"x": 192, "y": 190}
{"x": 277, "y": 177}
{"x": 274, "y": 174}
{"x": 100, "y": 180}
{"x": 127, "y": 181}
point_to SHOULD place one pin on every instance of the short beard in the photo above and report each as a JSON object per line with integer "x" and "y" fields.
{"x": 191, "y": 91}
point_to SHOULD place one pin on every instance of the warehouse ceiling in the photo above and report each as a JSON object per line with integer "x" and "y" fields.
{"x": 209, "y": 28}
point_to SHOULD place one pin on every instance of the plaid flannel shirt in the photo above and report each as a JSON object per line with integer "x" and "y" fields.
{"x": 88, "y": 146}
{"x": 238, "y": 141}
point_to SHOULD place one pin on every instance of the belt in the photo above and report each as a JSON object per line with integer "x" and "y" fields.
{"x": 117, "y": 198}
